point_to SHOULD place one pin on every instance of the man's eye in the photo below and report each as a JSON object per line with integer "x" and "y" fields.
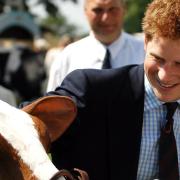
{"x": 98, "y": 10}
{"x": 159, "y": 60}
{"x": 114, "y": 10}
{"x": 177, "y": 63}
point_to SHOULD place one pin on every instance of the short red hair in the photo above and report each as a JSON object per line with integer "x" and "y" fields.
{"x": 162, "y": 18}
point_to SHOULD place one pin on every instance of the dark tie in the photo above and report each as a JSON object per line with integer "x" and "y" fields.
{"x": 168, "y": 159}
{"x": 107, "y": 59}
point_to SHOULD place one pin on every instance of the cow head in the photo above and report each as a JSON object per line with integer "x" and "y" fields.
{"x": 26, "y": 134}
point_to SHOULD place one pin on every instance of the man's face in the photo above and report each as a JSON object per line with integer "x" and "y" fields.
{"x": 162, "y": 67}
{"x": 105, "y": 18}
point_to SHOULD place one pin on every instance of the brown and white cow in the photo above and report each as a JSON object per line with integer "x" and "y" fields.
{"x": 25, "y": 136}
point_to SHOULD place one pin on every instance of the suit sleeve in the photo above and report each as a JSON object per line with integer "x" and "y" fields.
{"x": 75, "y": 85}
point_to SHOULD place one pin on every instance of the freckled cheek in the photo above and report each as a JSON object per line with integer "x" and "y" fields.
{"x": 92, "y": 17}
{"x": 116, "y": 18}
{"x": 150, "y": 66}
{"x": 151, "y": 71}
{"x": 96, "y": 21}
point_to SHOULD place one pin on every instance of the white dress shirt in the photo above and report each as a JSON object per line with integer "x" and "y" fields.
{"x": 89, "y": 53}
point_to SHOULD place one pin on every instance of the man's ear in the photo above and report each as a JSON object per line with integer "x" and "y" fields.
{"x": 57, "y": 113}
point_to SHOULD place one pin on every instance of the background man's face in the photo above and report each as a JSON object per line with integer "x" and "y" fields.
{"x": 105, "y": 18}
{"x": 162, "y": 67}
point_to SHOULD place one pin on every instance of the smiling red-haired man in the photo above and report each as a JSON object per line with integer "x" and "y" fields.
{"x": 122, "y": 129}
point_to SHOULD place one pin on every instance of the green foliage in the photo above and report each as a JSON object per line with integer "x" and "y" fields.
{"x": 56, "y": 22}
{"x": 134, "y": 15}
{"x": 58, "y": 25}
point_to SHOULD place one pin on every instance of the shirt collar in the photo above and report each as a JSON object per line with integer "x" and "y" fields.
{"x": 98, "y": 48}
{"x": 117, "y": 45}
{"x": 151, "y": 101}
{"x": 114, "y": 47}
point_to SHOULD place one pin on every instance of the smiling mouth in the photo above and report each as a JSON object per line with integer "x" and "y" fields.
{"x": 165, "y": 85}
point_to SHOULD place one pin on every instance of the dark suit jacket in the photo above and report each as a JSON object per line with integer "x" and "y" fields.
{"x": 105, "y": 138}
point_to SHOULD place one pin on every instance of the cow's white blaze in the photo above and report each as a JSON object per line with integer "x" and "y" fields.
{"x": 18, "y": 129}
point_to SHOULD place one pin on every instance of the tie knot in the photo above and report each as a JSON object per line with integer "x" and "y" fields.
{"x": 171, "y": 108}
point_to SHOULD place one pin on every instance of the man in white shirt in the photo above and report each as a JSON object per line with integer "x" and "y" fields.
{"x": 106, "y": 20}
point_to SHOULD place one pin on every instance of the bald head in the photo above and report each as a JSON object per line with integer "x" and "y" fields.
{"x": 123, "y": 2}
{"x": 105, "y": 19}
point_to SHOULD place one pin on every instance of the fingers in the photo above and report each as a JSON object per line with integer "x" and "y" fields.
{"x": 83, "y": 174}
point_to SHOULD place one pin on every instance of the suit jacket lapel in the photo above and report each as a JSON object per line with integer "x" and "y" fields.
{"x": 125, "y": 126}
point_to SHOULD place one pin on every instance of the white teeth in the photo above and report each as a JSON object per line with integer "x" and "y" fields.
{"x": 165, "y": 85}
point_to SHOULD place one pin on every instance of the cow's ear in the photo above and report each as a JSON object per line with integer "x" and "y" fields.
{"x": 57, "y": 112}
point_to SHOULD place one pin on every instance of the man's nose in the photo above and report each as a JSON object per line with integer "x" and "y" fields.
{"x": 165, "y": 73}
{"x": 105, "y": 16}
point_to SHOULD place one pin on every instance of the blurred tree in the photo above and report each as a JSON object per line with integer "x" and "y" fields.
{"x": 58, "y": 25}
{"x": 49, "y": 5}
{"x": 135, "y": 13}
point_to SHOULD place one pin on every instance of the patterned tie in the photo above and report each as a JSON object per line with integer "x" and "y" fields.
{"x": 168, "y": 159}
{"x": 107, "y": 59}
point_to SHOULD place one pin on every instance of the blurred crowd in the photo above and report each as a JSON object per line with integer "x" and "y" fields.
{"x": 27, "y": 72}
{"x": 24, "y": 70}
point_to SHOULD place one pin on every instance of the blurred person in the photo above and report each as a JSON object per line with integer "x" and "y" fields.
{"x": 40, "y": 44}
{"x": 28, "y": 78}
{"x": 13, "y": 62}
{"x": 105, "y": 18}
{"x": 53, "y": 53}
{"x": 10, "y": 62}
{"x": 8, "y": 96}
